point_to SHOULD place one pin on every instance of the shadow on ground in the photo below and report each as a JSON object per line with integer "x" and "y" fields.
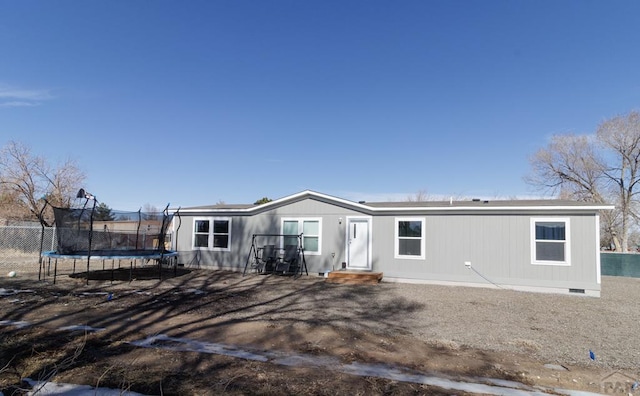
{"x": 131, "y": 274}
{"x": 306, "y": 315}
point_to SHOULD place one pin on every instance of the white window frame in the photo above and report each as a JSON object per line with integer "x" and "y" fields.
{"x": 566, "y": 242}
{"x": 211, "y": 234}
{"x": 301, "y": 221}
{"x": 397, "y": 238}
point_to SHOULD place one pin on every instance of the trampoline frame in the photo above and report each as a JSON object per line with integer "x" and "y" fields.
{"x": 161, "y": 255}
{"x": 45, "y": 268}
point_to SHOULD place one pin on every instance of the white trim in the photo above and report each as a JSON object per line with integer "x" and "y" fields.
{"x": 210, "y": 247}
{"x": 566, "y": 242}
{"x": 444, "y": 208}
{"x": 369, "y": 220}
{"x": 598, "y": 268}
{"x": 396, "y": 241}
{"x": 531, "y": 289}
{"x": 301, "y": 221}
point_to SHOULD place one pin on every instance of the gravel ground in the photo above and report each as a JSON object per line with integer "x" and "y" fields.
{"x": 547, "y": 327}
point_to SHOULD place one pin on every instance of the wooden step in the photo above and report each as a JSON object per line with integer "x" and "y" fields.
{"x": 355, "y": 277}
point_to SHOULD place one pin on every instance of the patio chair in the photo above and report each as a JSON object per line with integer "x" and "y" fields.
{"x": 289, "y": 262}
{"x": 267, "y": 261}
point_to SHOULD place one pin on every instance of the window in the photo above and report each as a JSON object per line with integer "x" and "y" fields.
{"x": 310, "y": 230}
{"x": 211, "y": 233}
{"x": 410, "y": 241}
{"x": 550, "y": 241}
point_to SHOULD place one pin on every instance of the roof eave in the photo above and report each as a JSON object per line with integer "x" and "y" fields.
{"x": 493, "y": 208}
{"x": 373, "y": 209}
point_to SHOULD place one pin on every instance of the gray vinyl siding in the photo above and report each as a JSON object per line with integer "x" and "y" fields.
{"x": 498, "y": 246}
{"x": 269, "y": 222}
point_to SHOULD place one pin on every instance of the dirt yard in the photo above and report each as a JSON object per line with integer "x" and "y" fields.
{"x": 456, "y": 333}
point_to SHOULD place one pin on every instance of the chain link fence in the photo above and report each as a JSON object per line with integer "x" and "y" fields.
{"x": 20, "y": 247}
{"x": 20, "y": 250}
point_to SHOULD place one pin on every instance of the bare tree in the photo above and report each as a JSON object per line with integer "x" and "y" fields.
{"x": 28, "y": 179}
{"x": 569, "y": 167}
{"x": 420, "y": 196}
{"x": 149, "y": 208}
{"x": 601, "y": 168}
{"x": 621, "y": 135}
{"x": 9, "y": 210}
{"x": 64, "y": 182}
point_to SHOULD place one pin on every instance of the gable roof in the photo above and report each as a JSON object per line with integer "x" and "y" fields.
{"x": 390, "y": 207}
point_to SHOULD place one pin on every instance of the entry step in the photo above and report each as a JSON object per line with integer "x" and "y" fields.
{"x": 355, "y": 277}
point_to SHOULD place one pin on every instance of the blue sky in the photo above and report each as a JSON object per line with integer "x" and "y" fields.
{"x": 196, "y": 102}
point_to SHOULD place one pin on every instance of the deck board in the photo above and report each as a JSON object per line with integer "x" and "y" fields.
{"x": 355, "y": 277}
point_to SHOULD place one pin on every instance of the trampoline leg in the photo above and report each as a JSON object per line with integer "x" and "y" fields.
{"x": 74, "y": 266}
{"x": 55, "y": 271}
{"x": 130, "y": 271}
{"x": 42, "y": 266}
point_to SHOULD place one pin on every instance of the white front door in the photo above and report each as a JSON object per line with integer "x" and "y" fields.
{"x": 358, "y": 244}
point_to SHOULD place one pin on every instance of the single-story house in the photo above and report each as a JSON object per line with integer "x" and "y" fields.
{"x": 533, "y": 245}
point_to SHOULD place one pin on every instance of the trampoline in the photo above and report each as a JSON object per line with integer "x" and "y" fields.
{"x": 98, "y": 233}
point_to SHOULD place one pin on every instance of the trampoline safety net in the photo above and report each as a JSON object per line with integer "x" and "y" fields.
{"x": 86, "y": 232}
